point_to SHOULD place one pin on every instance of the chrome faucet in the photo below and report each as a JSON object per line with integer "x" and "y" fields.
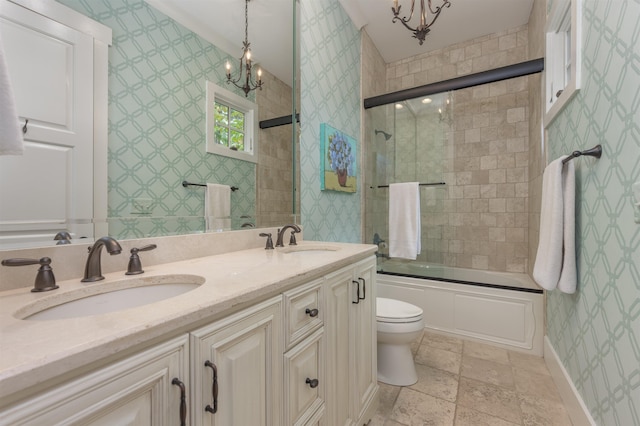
{"x": 294, "y": 229}
{"x": 93, "y": 268}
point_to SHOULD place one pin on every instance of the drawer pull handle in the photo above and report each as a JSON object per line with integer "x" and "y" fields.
{"x": 358, "y": 298}
{"x": 214, "y": 388}
{"x": 183, "y": 401}
{"x": 364, "y": 288}
{"x": 311, "y": 312}
{"x": 313, "y": 383}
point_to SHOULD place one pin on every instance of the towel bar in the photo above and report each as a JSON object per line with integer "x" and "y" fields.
{"x": 420, "y": 184}
{"x": 185, "y": 184}
{"x": 596, "y": 152}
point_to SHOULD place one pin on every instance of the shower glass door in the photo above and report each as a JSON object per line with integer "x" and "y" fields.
{"x": 411, "y": 141}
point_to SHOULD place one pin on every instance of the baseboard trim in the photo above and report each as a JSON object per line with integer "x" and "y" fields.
{"x": 576, "y": 408}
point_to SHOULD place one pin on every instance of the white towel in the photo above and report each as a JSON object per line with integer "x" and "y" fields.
{"x": 217, "y": 207}
{"x": 555, "y": 264}
{"x": 569, "y": 274}
{"x": 10, "y": 131}
{"x": 404, "y": 220}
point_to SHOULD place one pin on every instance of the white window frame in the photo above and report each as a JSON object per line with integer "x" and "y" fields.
{"x": 250, "y": 110}
{"x": 563, "y": 56}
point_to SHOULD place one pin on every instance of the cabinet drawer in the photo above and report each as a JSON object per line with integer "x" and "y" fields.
{"x": 303, "y": 312}
{"x": 304, "y": 379}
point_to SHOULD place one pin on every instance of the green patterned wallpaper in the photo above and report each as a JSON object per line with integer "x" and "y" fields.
{"x": 157, "y": 74}
{"x": 330, "y": 93}
{"x": 596, "y": 331}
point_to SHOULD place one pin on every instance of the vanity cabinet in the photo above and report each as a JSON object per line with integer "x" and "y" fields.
{"x": 351, "y": 339}
{"x": 306, "y": 357}
{"x": 135, "y": 391}
{"x": 237, "y": 368}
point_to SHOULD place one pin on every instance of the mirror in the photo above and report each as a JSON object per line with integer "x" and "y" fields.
{"x": 158, "y": 68}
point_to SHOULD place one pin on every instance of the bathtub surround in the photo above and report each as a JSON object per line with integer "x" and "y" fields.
{"x": 479, "y": 219}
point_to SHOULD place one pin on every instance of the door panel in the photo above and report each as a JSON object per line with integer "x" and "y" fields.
{"x": 51, "y": 71}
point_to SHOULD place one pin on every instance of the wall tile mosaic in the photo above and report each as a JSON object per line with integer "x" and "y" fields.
{"x": 330, "y": 93}
{"x": 596, "y": 331}
{"x": 157, "y": 74}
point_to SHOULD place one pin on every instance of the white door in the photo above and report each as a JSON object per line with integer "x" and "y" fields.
{"x": 50, "y": 187}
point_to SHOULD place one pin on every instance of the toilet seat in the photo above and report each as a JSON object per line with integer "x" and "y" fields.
{"x": 396, "y": 311}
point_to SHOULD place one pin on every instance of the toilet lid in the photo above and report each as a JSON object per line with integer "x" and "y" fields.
{"x": 391, "y": 310}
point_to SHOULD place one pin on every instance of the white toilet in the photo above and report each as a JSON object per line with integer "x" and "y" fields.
{"x": 399, "y": 324}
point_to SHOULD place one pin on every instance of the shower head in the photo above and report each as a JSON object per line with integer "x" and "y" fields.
{"x": 387, "y": 136}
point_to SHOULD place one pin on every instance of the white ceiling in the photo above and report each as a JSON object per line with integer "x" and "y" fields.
{"x": 271, "y": 25}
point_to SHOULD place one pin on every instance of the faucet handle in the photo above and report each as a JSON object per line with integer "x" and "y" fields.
{"x": 45, "y": 280}
{"x": 135, "y": 266}
{"x": 292, "y": 240}
{"x": 269, "y": 245}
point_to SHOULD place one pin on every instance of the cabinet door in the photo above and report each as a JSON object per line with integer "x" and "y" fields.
{"x": 245, "y": 350}
{"x": 364, "y": 339}
{"x": 304, "y": 379}
{"x": 51, "y": 71}
{"x": 338, "y": 319}
{"x": 136, "y": 391}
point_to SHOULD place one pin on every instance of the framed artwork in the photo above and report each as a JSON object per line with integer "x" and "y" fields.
{"x": 338, "y": 169}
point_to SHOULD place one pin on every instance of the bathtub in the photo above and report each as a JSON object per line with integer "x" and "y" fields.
{"x": 499, "y": 308}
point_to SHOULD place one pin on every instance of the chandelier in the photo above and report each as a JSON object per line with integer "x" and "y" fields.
{"x": 420, "y": 31}
{"x": 245, "y": 62}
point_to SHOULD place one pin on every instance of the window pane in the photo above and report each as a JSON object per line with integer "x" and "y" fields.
{"x": 237, "y": 140}
{"x": 222, "y": 135}
{"x": 237, "y": 119}
{"x": 222, "y": 114}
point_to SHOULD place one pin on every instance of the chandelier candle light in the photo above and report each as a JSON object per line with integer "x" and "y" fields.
{"x": 421, "y": 31}
{"x": 245, "y": 61}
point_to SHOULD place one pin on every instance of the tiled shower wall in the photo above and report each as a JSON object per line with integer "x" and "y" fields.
{"x": 274, "y": 178}
{"x": 484, "y": 219}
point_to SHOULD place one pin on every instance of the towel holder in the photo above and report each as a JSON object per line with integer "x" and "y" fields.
{"x": 420, "y": 184}
{"x": 185, "y": 184}
{"x": 596, "y": 152}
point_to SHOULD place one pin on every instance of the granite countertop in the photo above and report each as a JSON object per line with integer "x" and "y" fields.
{"x": 36, "y": 351}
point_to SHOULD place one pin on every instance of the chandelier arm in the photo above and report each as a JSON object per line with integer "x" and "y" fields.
{"x": 437, "y": 11}
{"x": 422, "y": 29}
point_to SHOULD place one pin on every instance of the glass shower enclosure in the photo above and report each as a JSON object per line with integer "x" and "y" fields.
{"x": 411, "y": 141}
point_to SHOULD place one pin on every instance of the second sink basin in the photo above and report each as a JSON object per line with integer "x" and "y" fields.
{"x": 111, "y": 297}
{"x": 309, "y": 249}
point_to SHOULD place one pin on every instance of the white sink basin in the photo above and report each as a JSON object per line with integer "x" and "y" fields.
{"x": 309, "y": 249}
{"x": 110, "y": 297}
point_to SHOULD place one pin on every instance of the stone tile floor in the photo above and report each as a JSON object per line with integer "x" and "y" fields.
{"x": 464, "y": 383}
